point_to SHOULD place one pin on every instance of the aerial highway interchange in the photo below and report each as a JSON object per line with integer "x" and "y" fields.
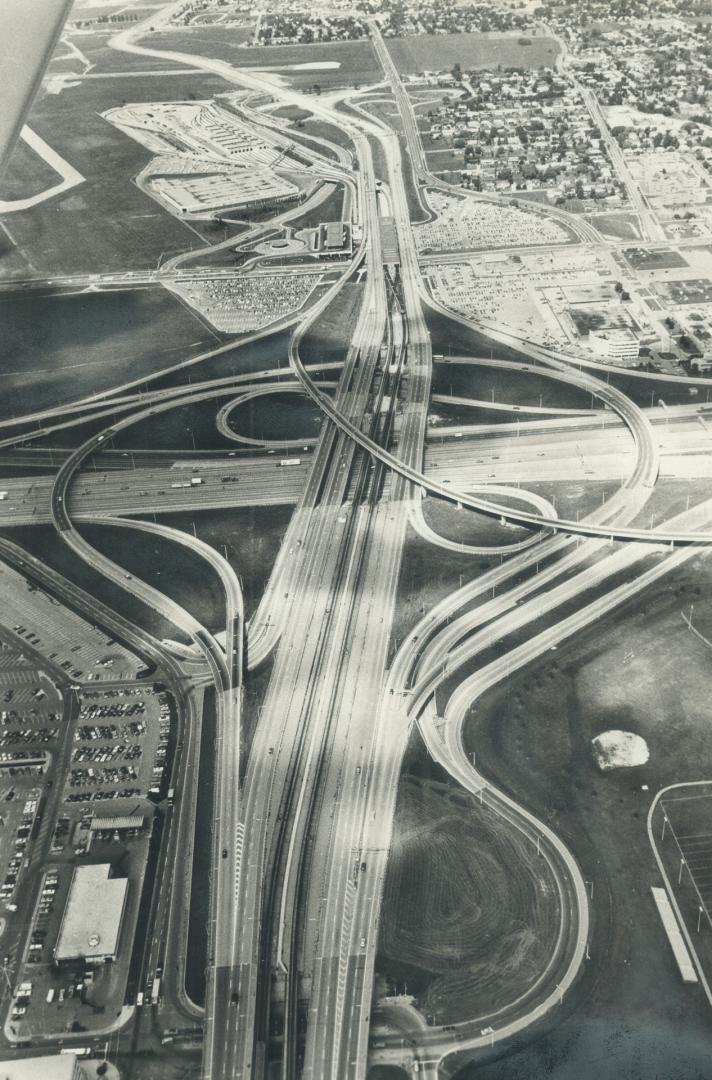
{"x": 354, "y": 597}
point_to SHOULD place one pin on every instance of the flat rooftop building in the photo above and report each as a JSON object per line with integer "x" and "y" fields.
{"x": 215, "y": 191}
{"x": 92, "y": 918}
{"x": 48, "y": 1067}
{"x": 334, "y": 234}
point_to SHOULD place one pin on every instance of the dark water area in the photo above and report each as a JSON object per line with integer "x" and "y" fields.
{"x": 277, "y": 416}
{"x": 58, "y": 347}
{"x": 197, "y": 954}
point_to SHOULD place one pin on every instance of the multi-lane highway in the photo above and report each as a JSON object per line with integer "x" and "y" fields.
{"x": 302, "y": 826}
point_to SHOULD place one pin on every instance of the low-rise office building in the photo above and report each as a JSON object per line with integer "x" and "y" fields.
{"x": 91, "y": 923}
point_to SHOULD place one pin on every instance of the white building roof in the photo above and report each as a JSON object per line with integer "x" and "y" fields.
{"x": 49, "y": 1067}
{"x": 92, "y": 917}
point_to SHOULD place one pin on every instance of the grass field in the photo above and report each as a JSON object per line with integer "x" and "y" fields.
{"x": 512, "y": 387}
{"x": 27, "y": 174}
{"x": 470, "y": 528}
{"x": 641, "y": 670}
{"x": 328, "y": 131}
{"x": 58, "y": 347}
{"x": 641, "y": 258}
{"x": 329, "y": 338}
{"x": 250, "y": 538}
{"x": 357, "y": 62}
{"x": 439, "y": 52}
{"x": 106, "y": 223}
{"x": 328, "y": 210}
{"x": 166, "y": 565}
{"x": 427, "y": 575}
{"x": 622, "y": 226}
{"x": 469, "y": 909}
{"x": 277, "y": 416}
{"x": 97, "y": 51}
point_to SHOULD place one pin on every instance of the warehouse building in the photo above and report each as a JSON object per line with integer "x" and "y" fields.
{"x": 92, "y": 918}
{"x": 210, "y": 192}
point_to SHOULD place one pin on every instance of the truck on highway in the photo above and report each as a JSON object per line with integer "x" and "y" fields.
{"x": 3, "y": 496}
{"x": 50, "y": 995}
{"x": 195, "y": 480}
{"x": 155, "y": 991}
{"x": 291, "y": 461}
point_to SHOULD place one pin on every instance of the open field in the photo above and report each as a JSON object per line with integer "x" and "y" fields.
{"x": 329, "y": 338}
{"x": 439, "y": 52}
{"x": 327, "y": 131}
{"x": 58, "y": 347}
{"x": 466, "y": 527}
{"x": 266, "y": 352}
{"x": 277, "y": 416}
{"x": 428, "y": 574}
{"x": 641, "y": 258}
{"x": 170, "y": 567}
{"x": 639, "y": 670}
{"x": 328, "y": 210}
{"x": 27, "y": 174}
{"x": 249, "y": 538}
{"x": 357, "y": 64}
{"x": 486, "y": 917}
{"x": 104, "y": 59}
{"x": 106, "y": 223}
{"x": 622, "y": 226}
{"x": 501, "y": 385}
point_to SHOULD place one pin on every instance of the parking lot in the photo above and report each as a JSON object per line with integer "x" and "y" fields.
{"x": 67, "y": 641}
{"x": 32, "y": 724}
{"x": 114, "y": 746}
{"x": 121, "y": 749}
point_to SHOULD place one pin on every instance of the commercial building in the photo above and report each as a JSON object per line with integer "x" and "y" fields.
{"x": 92, "y": 918}
{"x": 335, "y": 238}
{"x": 238, "y": 189}
{"x": 619, "y": 345}
{"x": 48, "y": 1067}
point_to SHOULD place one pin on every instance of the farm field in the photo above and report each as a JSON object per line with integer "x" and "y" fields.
{"x": 440, "y": 52}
